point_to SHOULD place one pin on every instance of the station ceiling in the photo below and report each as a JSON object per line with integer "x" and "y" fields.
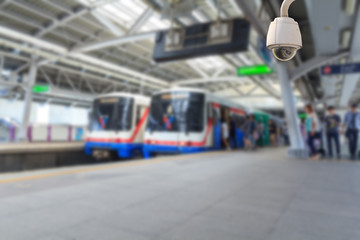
{"x": 89, "y": 47}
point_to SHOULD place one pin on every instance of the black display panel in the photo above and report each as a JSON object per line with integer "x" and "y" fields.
{"x": 196, "y": 42}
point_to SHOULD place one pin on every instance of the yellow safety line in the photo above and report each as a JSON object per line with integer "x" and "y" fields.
{"x": 99, "y": 168}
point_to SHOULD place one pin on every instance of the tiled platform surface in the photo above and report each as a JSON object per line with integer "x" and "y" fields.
{"x": 220, "y": 196}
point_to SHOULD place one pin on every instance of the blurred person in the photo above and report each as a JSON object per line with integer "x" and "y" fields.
{"x": 260, "y": 130}
{"x": 273, "y": 133}
{"x": 245, "y": 127}
{"x": 250, "y": 132}
{"x": 332, "y": 128}
{"x": 232, "y": 132}
{"x": 313, "y": 131}
{"x": 225, "y": 133}
{"x": 352, "y": 125}
{"x": 239, "y": 137}
{"x": 286, "y": 135}
{"x": 303, "y": 130}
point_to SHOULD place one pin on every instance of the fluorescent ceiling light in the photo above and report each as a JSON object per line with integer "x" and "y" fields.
{"x": 345, "y": 38}
{"x": 349, "y": 7}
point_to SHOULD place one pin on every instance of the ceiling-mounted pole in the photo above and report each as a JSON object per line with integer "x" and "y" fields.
{"x": 284, "y": 11}
{"x": 31, "y": 79}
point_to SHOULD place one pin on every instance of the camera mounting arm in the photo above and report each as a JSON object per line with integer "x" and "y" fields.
{"x": 284, "y": 10}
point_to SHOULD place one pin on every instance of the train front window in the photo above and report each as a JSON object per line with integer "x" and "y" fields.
{"x": 177, "y": 112}
{"x": 112, "y": 114}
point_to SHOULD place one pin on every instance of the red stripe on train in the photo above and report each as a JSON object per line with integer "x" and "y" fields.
{"x": 119, "y": 140}
{"x": 238, "y": 111}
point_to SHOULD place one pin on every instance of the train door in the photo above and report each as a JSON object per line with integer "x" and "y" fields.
{"x": 192, "y": 122}
{"x": 216, "y": 115}
{"x": 240, "y": 120}
{"x": 225, "y": 114}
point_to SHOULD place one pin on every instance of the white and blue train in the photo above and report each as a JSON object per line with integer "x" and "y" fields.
{"x": 183, "y": 120}
{"x": 117, "y": 125}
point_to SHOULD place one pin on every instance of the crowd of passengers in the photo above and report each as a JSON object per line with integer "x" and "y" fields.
{"x": 333, "y": 127}
{"x": 249, "y": 135}
{"x": 314, "y": 132}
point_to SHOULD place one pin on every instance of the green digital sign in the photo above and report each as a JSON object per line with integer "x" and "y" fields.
{"x": 41, "y": 88}
{"x": 302, "y": 115}
{"x": 255, "y": 70}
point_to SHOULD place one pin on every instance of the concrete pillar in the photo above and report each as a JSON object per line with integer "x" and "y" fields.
{"x": 297, "y": 148}
{"x": 28, "y": 100}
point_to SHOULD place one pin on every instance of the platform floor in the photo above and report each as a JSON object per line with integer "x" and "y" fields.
{"x": 220, "y": 196}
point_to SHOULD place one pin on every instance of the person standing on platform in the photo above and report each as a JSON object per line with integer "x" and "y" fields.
{"x": 352, "y": 125}
{"x": 286, "y": 134}
{"x": 313, "y": 131}
{"x": 260, "y": 130}
{"x": 240, "y": 141}
{"x": 273, "y": 133}
{"x": 303, "y": 130}
{"x": 250, "y": 131}
{"x": 232, "y": 133}
{"x": 332, "y": 123}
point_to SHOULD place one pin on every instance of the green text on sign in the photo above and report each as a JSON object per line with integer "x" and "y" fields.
{"x": 254, "y": 70}
{"x": 41, "y": 88}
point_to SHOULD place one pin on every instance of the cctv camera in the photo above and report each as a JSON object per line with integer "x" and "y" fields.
{"x": 284, "y": 36}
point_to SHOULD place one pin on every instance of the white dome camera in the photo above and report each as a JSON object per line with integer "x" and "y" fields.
{"x": 284, "y": 36}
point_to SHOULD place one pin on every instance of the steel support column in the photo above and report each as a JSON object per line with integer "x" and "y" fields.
{"x": 351, "y": 81}
{"x": 28, "y": 100}
{"x": 297, "y": 148}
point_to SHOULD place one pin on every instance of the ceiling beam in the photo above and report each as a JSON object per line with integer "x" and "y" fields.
{"x": 197, "y": 69}
{"x": 251, "y": 91}
{"x": 252, "y": 17}
{"x": 58, "y": 22}
{"x": 107, "y": 23}
{"x": 236, "y": 89}
{"x": 47, "y": 78}
{"x": 70, "y": 82}
{"x": 105, "y": 79}
{"x": 81, "y": 10}
{"x": 115, "y": 41}
{"x": 197, "y": 81}
{"x": 145, "y": 16}
{"x": 219, "y": 71}
{"x": 315, "y": 63}
{"x": 58, "y": 53}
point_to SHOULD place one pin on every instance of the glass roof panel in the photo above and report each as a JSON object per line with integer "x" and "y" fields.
{"x": 208, "y": 63}
{"x": 124, "y": 13}
{"x": 155, "y": 23}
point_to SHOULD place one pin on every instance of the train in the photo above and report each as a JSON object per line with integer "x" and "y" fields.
{"x": 176, "y": 120}
{"x": 184, "y": 120}
{"x": 117, "y": 125}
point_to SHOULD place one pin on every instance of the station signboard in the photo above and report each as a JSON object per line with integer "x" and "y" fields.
{"x": 350, "y": 68}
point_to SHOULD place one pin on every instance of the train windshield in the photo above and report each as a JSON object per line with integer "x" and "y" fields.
{"x": 113, "y": 114}
{"x": 177, "y": 112}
